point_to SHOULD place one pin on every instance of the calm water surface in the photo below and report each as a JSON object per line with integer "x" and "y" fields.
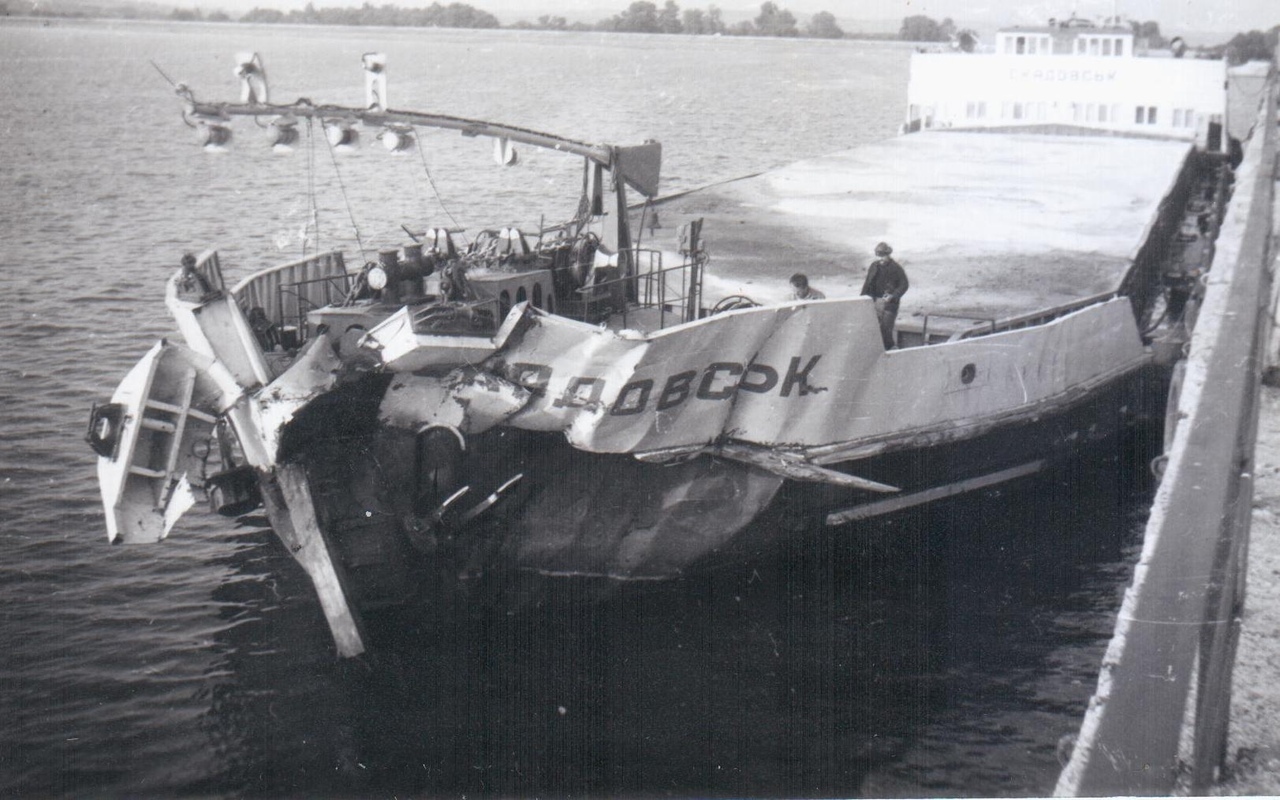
{"x": 942, "y": 652}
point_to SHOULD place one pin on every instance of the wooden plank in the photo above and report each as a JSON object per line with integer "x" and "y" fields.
{"x": 160, "y": 405}
{"x": 180, "y": 425}
{"x": 292, "y": 511}
{"x": 879, "y": 507}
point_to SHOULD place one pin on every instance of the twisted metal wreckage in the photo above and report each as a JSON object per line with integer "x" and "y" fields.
{"x": 566, "y": 406}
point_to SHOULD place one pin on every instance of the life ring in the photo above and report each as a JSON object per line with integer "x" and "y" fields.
{"x": 103, "y": 435}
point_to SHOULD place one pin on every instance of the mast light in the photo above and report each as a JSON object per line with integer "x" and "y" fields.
{"x": 375, "y": 80}
{"x": 253, "y": 78}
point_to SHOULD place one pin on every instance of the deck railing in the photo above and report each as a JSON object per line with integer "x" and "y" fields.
{"x": 287, "y": 292}
{"x": 672, "y": 292}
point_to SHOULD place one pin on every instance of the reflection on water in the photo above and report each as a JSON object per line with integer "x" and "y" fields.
{"x": 941, "y": 651}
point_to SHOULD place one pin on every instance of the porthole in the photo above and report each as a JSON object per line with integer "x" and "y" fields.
{"x": 967, "y": 373}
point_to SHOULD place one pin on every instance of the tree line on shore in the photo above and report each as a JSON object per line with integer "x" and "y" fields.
{"x": 641, "y": 16}
{"x": 1251, "y": 46}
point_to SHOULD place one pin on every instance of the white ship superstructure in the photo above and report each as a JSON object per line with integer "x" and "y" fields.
{"x": 1072, "y": 74}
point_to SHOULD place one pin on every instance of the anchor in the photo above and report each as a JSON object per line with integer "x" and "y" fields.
{"x": 425, "y": 532}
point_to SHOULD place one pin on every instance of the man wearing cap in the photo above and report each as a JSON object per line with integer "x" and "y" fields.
{"x": 886, "y": 283}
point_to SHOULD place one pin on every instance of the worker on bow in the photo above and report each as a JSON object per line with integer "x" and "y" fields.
{"x": 801, "y": 290}
{"x": 886, "y": 283}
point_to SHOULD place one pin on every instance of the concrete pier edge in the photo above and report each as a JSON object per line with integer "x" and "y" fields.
{"x": 1169, "y": 662}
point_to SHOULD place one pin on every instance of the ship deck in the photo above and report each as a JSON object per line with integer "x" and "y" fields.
{"x": 987, "y": 225}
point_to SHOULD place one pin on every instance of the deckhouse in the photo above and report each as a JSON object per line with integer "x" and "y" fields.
{"x": 1071, "y": 74}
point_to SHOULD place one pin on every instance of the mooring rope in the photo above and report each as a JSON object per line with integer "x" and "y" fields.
{"x": 311, "y": 185}
{"x": 422, "y": 157}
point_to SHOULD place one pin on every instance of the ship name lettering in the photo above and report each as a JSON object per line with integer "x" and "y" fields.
{"x": 581, "y": 391}
{"x": 719, "y": 380}
{"x": 1066, "y": 75}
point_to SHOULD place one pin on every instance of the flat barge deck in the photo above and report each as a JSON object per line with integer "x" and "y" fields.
{"x": 987, "y": 226}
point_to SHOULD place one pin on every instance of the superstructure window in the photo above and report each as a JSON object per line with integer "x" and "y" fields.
{"x": 1106, "y": 47}
{"x": 1119, "y": 47}
{"x": 1144, "y": 115}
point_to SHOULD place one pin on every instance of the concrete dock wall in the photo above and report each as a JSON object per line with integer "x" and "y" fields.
{"x": 1159, "y": 717}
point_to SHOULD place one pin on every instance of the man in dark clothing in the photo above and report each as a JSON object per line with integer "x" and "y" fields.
{"x": 192, "y": 282}
{"x": 886, "y": 283}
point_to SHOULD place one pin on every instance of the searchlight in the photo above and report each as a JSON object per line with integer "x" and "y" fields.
{"x": 213, "y": 134}
{"x": 341, "y": 133}
{"x": 283, "y": 132}
{"x": 397, "y": 138}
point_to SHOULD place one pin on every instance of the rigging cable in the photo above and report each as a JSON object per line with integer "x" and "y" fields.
{"x": 359, "y": 242}
{"x": 430, "y": 180}
{"x": 311, "y": 187}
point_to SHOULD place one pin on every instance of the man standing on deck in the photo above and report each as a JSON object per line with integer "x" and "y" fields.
{"x": 192, "y": 282}
{"x": 886, "y": 283}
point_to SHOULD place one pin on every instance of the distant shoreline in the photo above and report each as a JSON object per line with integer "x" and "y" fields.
{"x": 29, "y": 20}
{"x": 218, "y": 18}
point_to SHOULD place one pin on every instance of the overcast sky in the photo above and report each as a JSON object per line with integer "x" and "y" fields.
{"x": 1179, "y": 15}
